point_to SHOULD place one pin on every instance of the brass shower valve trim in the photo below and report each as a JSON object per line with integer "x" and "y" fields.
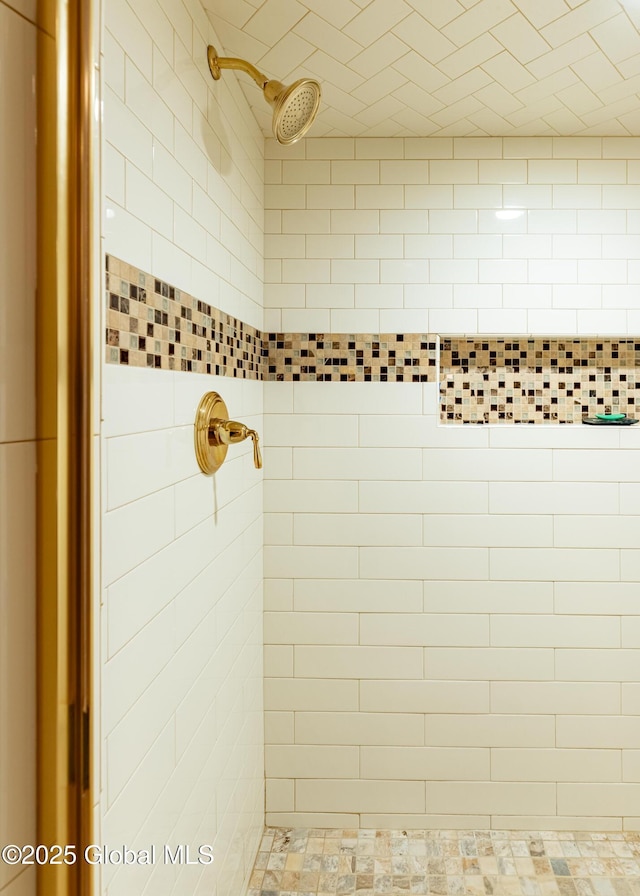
{"x": 214, "y": 432}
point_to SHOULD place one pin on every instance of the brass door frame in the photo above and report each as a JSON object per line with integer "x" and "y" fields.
{"x": 64, "y": 401}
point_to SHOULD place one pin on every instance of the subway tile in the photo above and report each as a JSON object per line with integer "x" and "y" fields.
{"x": 556, "y": 564}
{"x": 488, "y": 597}
{"x": 358, "y": 662}
{"x": 432, "y": 763}
{"x": 606, "y": 598}
{"x": 489, "y": 731}
{"x": 596, "y": 698}
{"x": 407, "y": 629}
{"x": 555, "y": 765}
{"x": 279, "y": 795}
{"x": 486, "y": 464}
{"x": 284, "y": 561}
{"x": 591, "y": 799}
{"x": 310, "y": 496}
{"x": 492, "y": 530}
{"x": 493, "y": 797}
{"x": 278, "y": 727}
{"x": 357, "y": 463}
{"x": 413, "y": 431}
{"x": 310, "y": 430}
{"x": 302, "y": 761}
{"x": 358, "y": 529}
{"x": 423, "y": 563}
{"x": 310, "y": 628}
{"x": 490, "y": 663}
{"x": 588, "y": 531}
{"x": 357, "y": 398}
{"x": 278, "y": 661}
{"x": 356, "y": 595}
{"x": 359, "y": 728}
{"x": 310, "y": 694}
{"x": 359, "y": 796}
{"x": 596, "y": 665}
{"x": 553, "y": 498}
{"x": 134, "y": 532}
{"x": 555, "y": 631}
{"x": 424, "y": 696}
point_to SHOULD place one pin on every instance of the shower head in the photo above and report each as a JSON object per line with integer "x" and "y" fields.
{"x": 294, "y": 107}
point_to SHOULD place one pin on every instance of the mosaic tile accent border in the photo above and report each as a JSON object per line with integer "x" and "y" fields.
{"x": 305, "y": 862}
{"x": 356, "y": 357}
{"x": 539, "y": 380}
{"x": 521, "y": 380}
{"x": 152, "y": 324}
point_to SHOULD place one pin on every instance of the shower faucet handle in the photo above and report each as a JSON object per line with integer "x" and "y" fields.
{"x": 214, "y": 432}
{"x": 230, "y": 432}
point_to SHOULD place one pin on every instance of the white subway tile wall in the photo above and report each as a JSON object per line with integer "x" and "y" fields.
{"x": 181, "y": 616}
{"x": 461, "y": 608}
{"x": 517, "y": 237}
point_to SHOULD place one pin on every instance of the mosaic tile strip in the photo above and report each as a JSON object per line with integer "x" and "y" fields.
{"x": 537, "y": 380}
{"x": 153, "y": 324}
{"x": 356, "y": 357}
{"x": 446, "y": 863}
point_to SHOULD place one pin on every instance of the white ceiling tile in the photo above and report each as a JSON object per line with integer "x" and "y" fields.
{"x": 508, "y": 72}
{"x": 376, "y": 19}
{"x": 490, "y": 122}
{"x": 563, "y": 56}
{"x": 341, "y": 101}
{"x": 381, "y": 54}
{"x": 597, "y": 72}
{"x": 438, "y": 12}
{"x": 522, "y": 39}
{"x": 290, "y": 52}
{"x": 620, "y": 91}
{"x": 445, "y": 67}
{"x": 546, "y": 87}
{"x": 533, "y": 111}
{"x": 381, "y": 85}
{"x": 415, "y": 68}
{"x": 579, "y": 21}
{"x": 338, "y": 12}
{"x": 379, "y": 113}
{"x": 450, "y": 114}
{"x": 327, "y": 37}
{"x": 480, "y": 18}
{"x": 417, "y": 98}
{"x": 618, "y": 38}
{"x": 631, "y": 121}
{"x": 461, "y": 87}
{"x": 497, "y": 99}
{"x": 235, "y": 42}
{"x": 541, "y": 12}
{"x": 274, "y": 19}
{"x": 237, "y": 12}
{"x": 329, "y": 69}
{"x": 470, "y": 56}
{"x": 629, "y": 105}
{"x": 422, "y": 37}
{"x": 563, "y": 117}
{"x": 629, "y": 67}
{"x": 579, "y": 98}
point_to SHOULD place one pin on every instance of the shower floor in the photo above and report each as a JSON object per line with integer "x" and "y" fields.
{"x": 322, "y": 862}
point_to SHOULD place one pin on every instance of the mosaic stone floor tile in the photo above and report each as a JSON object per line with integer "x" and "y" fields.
{"x": 316, "y": 862}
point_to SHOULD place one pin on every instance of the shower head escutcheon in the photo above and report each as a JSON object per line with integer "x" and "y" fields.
{"x": 294, "y": 107}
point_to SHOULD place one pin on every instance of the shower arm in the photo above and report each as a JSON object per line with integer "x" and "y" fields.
{"x": 216, "y": 63}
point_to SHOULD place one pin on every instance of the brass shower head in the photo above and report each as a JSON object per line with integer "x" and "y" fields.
{"x": 294, "y": 107}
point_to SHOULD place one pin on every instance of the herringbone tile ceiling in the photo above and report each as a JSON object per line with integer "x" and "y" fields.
{"x": 445, "y": 67}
